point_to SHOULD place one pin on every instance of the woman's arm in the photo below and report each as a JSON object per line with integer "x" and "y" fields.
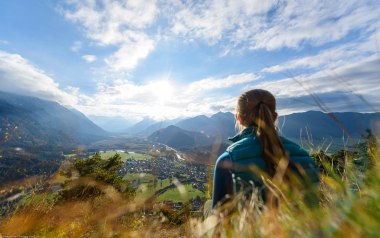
{"x": 222, "y": 179}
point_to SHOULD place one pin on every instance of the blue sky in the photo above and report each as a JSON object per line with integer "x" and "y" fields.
{"x": 167, "y": 59}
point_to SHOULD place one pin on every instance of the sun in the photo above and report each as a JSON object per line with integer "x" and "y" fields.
{"x": 162, "y": 95}
{"x": 163, "y": 90}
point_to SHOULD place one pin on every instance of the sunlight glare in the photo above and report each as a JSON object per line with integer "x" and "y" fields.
{"x": 163, "y": 91}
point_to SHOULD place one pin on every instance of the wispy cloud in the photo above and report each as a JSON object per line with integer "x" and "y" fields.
{"x": 218, "y": 83}
{"x": 355, "y": 83}
{"x": 330, "y": 58}
{"x": 135, "y": 27}
{"x": 18, "y": 75}
{"x": 273, "y": 24}
{"x": 116, "y": 23}
{"x": 89, "y": 58}
{"x": 129, "y": 54}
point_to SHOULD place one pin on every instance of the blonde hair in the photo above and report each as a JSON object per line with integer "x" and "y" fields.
{"x": 257, "y": 109}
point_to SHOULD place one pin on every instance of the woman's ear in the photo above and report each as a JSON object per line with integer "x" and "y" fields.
{"x": 238, "y": 118}
{"x": 275, "y": 115}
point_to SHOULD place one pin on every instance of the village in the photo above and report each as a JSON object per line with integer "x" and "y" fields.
{"x": 164, "y": 168}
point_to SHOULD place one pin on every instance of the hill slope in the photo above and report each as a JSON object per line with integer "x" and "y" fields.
{"x": 312, "y": 125}
{"x": 320, "y": 125}
{"x": 31, "y": 122}
{"x": 178, "y": 138}
{"x": 220, "y": 124}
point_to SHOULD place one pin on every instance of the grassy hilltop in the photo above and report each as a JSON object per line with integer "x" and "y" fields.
{"x": 91, "y": 203}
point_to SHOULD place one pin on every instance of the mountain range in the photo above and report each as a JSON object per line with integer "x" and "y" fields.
{"x": 35, "y": 132}
{"x": 314, "y": 127}
{"x": 32, "y": 122}
{"x": 28, "y": 121}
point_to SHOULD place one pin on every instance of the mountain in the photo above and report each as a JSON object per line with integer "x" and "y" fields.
{"x": 140, "y": 126}
{"x": 320, "y": 126}
{"x": 158, "y": 125}
{"x": 31, "y": 122}
{"x": 313, "y": 126}
{"x": 220, "y": 125}
{"x": 176, "y": 137}
{"x": 111, "y": 124}
{"x": 147, "y": 126}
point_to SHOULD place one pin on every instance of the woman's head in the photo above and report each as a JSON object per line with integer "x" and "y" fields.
{"x": 257, "y": 108}
{"x": 250, "y": 106}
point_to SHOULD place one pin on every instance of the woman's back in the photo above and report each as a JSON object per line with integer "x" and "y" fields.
{"x": 246, "y": 156}
{"x": 258, "y": 150}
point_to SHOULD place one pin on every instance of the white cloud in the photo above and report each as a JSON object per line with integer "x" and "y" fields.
{"x": 18, "y": 75}
{"x": 134, "y": 27}
{"x": 129, "y": 54}
{"x": 330, "y": 58}
{"x": 116, "y": 23}
{"x": 273, "y": 24}
{"x": 341, "y": 88}
{"x": 352, "y": 86}
{"x": 160, "y": 98}
{"x": 89, "y": 58}
{"x": 214, "y": 83}
{"x": 219, "y": 83}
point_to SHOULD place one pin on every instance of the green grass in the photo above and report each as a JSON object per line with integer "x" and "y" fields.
{"x": 143, "y": 177}
{"x": 124, "y": 155}
{"x": 175, "y": 196}
{"x": 147, "y": 189}
{"x": 143, "y": 192}
{"x": 165, "y": 183}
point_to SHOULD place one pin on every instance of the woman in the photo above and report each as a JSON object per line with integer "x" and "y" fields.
{"x": 258, "y": 147}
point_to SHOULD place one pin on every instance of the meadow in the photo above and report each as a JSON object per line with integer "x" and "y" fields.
{"x": 175, "y": 195}
{"x": 147, "y": 188}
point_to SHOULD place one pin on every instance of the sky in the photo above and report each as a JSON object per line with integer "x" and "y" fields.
{"x": 179, "y": 58}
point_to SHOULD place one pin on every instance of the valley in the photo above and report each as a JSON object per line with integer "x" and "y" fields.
{"x": 162, "y": 175}
{"x": 168, "y": 161}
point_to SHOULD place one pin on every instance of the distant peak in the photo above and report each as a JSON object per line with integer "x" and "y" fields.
{"x": 221, "y": 114}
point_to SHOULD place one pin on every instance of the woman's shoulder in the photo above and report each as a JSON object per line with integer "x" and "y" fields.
{"x": 298, "y": 155}
{"x": 293, "y": 148}
{"x": 244, "y": 143}
{"x": 245, "y": 148}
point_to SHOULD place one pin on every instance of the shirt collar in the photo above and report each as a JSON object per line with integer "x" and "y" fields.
{"x": 244, "y": 133}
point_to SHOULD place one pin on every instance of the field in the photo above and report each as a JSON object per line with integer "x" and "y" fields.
{"x": 175, "y": 196}
{"x": 146, "y": 189}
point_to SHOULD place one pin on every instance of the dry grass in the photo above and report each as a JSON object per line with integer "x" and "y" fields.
{"x": 345, "y": 210}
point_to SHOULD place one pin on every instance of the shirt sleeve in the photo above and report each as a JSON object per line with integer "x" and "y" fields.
{"x": 222, "y": 179}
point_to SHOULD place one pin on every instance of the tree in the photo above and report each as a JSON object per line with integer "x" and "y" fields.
{"x": 103, "y": 170}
